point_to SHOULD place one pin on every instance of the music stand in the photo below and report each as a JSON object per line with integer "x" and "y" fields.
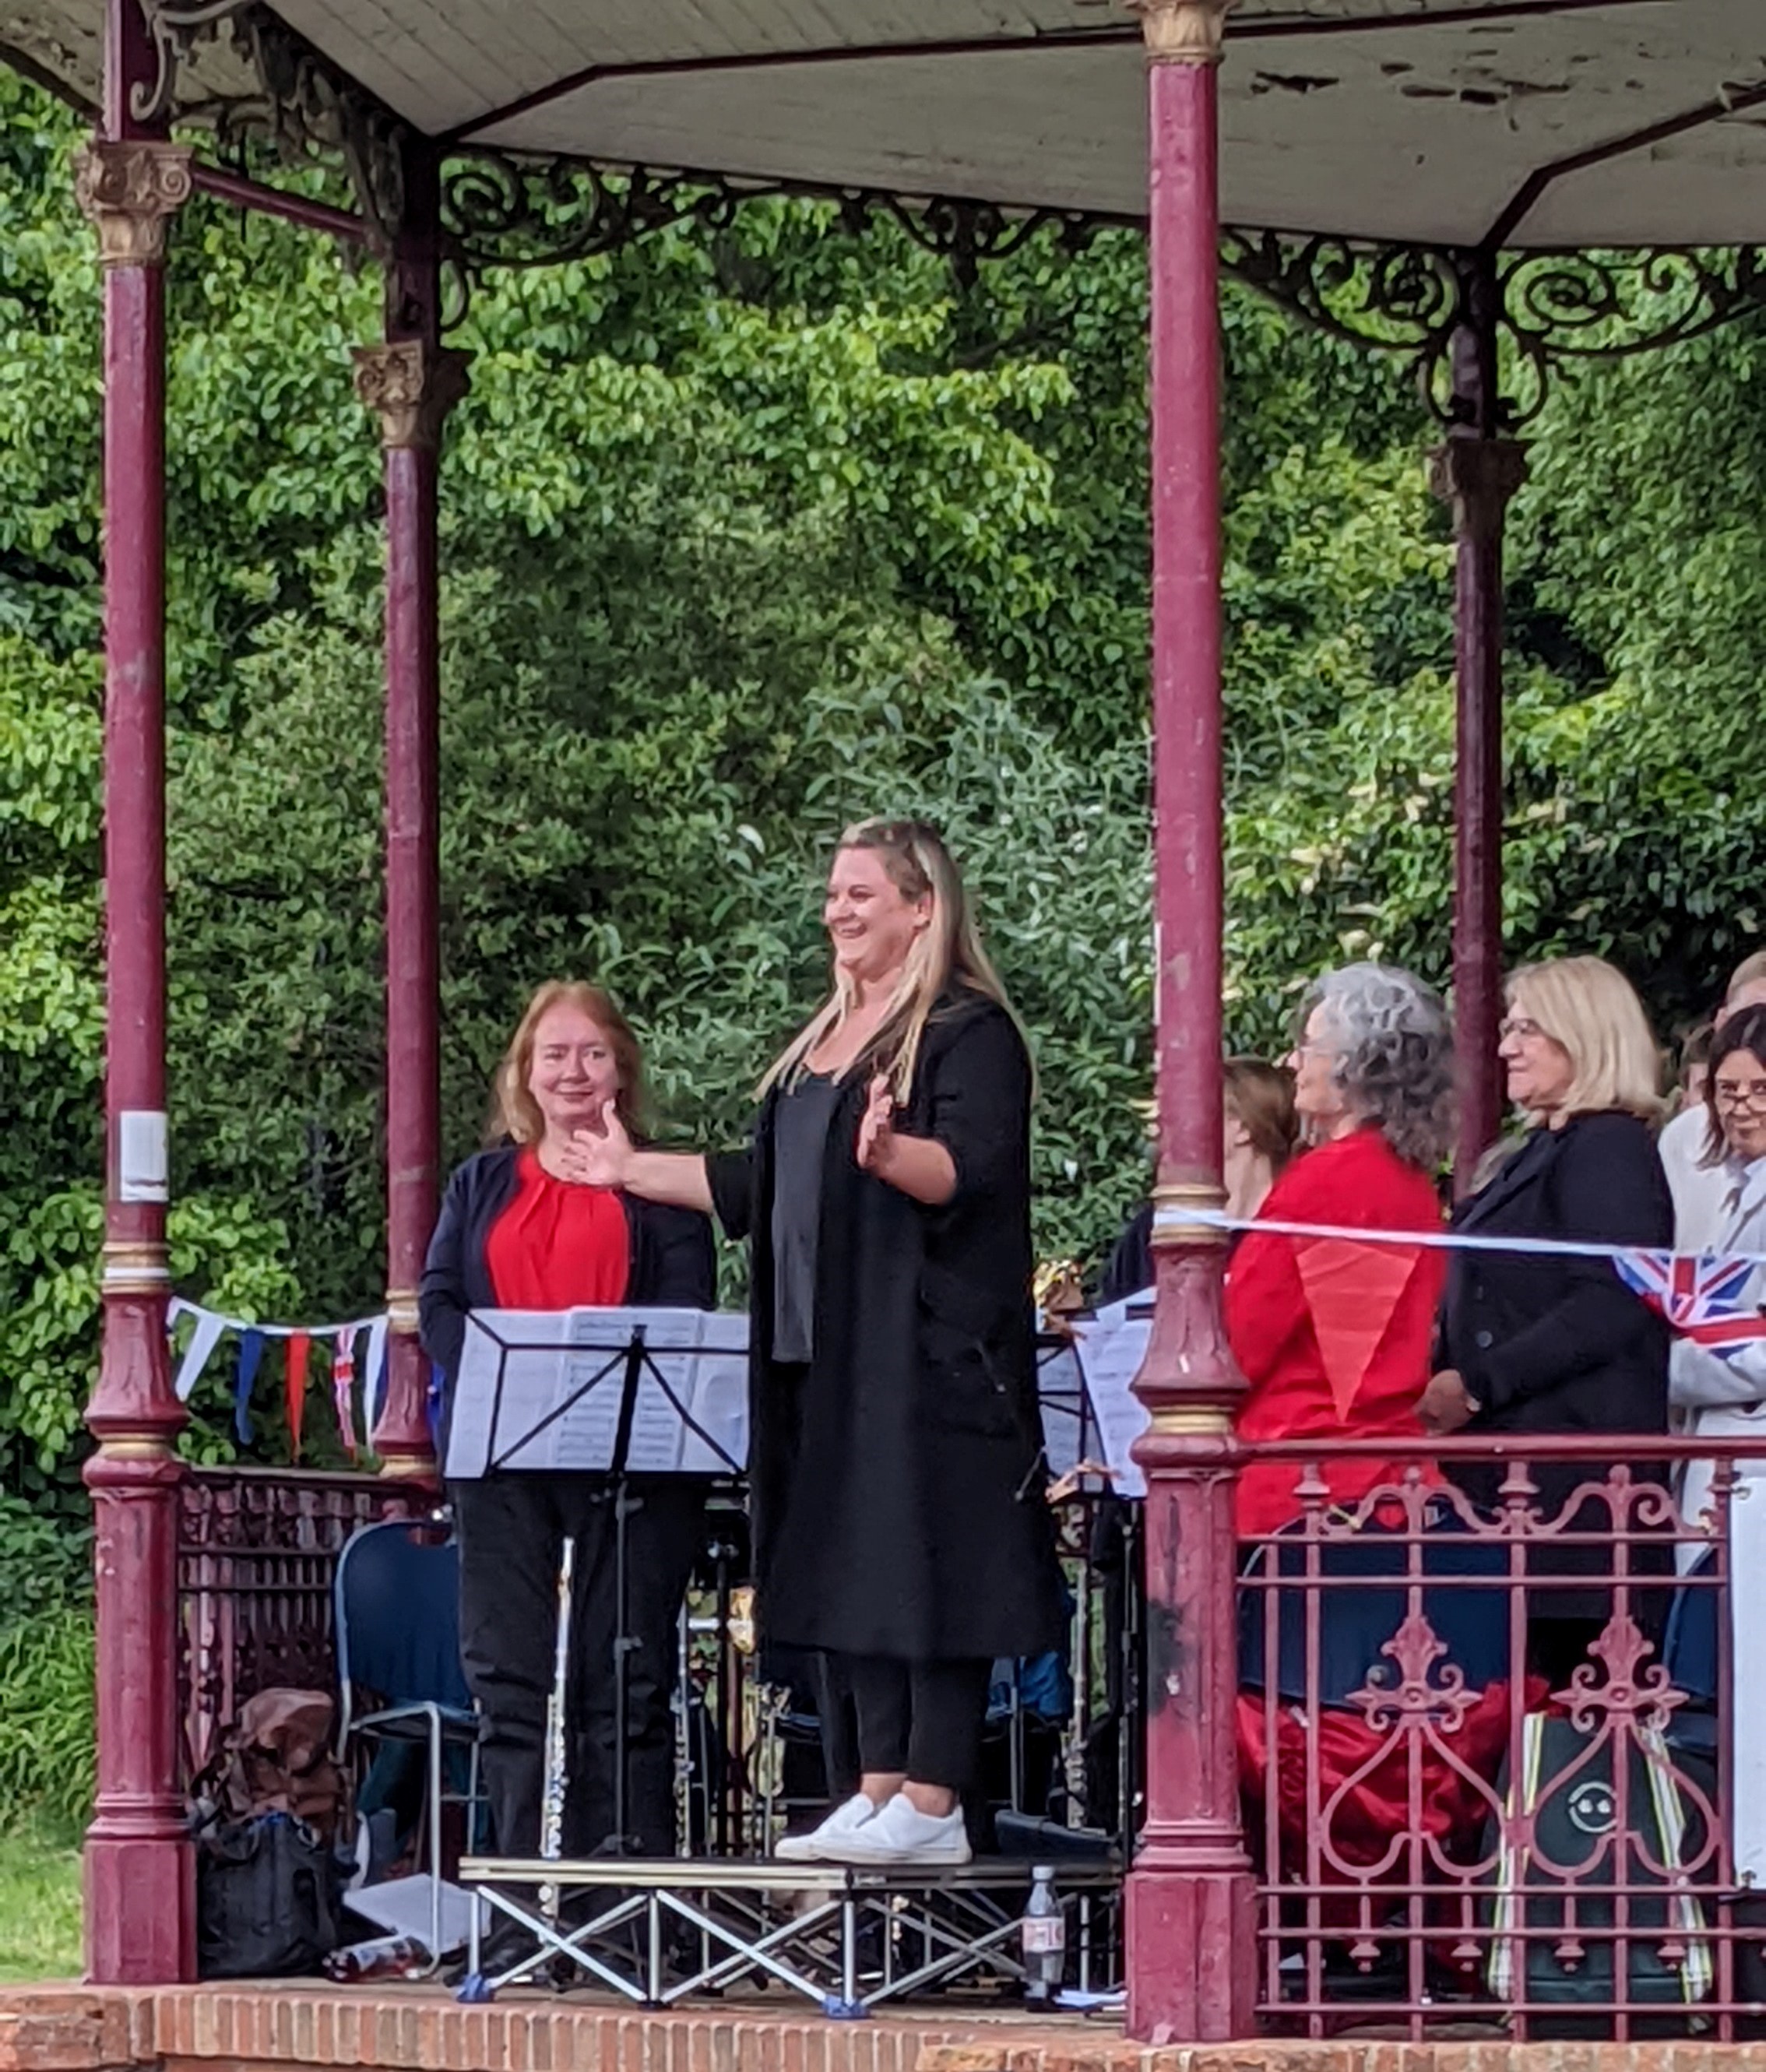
{"x": 613, "y": 1393}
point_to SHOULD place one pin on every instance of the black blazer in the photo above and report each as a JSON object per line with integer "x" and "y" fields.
{"x": 673, "y": 1263}
{"x": 1551, "y": 1344}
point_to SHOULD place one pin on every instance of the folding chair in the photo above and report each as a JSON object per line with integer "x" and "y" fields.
{"x": 396, "y": 1599}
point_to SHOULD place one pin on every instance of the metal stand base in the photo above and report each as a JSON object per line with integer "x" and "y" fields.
{"x": 845, "y": 1939}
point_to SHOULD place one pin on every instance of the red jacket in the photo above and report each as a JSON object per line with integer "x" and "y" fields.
{"x": 1281, "y": 1290}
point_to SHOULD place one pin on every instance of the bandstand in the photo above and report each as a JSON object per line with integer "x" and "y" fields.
{"x": 1483, "y": 187}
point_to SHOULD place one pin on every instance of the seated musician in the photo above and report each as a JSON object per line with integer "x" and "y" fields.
{"x": 522, "y": 1227}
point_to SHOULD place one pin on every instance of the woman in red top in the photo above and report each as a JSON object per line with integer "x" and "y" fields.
{"x": 1335, "y": 1337}
{"x": 522, "y": 1228}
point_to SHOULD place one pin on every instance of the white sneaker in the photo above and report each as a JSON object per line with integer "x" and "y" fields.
{"x": 845, "y": 1819}
{"x": 900, "y": 1833}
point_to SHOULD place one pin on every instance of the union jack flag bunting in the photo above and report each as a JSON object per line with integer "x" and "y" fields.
{"x": 1700, "y": 1297}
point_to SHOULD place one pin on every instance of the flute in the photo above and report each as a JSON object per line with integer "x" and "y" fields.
{"x": 557, "y": 1769}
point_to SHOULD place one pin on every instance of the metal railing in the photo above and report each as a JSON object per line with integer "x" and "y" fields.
{"x": 1488, "y": 1733}
{"x": 257, "y": 1552}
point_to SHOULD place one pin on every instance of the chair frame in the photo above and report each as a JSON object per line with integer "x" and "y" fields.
{"x": 442, "y": 1726}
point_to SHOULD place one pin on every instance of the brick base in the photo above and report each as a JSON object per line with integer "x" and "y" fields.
{"x": 268, "y": 2029}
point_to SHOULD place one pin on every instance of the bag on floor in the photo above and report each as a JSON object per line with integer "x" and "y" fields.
{"x": 268, "y": 1899}
{"x": 1567, "y": 1786}
{"x": 268, "y": 1809}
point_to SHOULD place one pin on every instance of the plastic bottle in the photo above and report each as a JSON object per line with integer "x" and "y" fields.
{"x": 1045, "y": 1933}
{"x": 386, "y": 1957}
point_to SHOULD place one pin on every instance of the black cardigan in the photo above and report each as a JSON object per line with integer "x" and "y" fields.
{"x": 673, "y": 1263}
{"x": 897, "y": 1498}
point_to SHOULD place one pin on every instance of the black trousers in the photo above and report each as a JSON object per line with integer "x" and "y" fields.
{"x": 920, "y": 1719}
{"x": 512, "y": 1527}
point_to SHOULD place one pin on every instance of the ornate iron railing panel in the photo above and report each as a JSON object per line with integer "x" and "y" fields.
{"x": 1487, "y": 1748}
{"x": 256, "y": 1551}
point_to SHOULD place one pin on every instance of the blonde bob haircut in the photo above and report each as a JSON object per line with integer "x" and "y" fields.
{"x": 947, "y": 957}
{"x": 1592, "y": 1010}
{"x": 514, "y": 1112}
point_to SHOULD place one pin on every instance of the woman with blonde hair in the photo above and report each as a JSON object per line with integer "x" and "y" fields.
{"x": 1550, "y": 1343}
{"x": 899, "y": 1525}
{"x": 522, "y": 1226}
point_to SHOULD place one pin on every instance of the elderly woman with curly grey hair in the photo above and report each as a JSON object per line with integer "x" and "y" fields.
{"x": 1334, "y": 1337}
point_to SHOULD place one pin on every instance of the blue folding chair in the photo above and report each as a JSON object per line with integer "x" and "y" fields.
{"x": 396, "y": 1600}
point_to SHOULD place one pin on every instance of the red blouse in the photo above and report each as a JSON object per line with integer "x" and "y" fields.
{"x": 556, "y": 1245}
{"x": 1334, "y": 1337}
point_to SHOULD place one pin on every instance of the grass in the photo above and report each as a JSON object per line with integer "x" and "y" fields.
{"x": 40, "y": 1908}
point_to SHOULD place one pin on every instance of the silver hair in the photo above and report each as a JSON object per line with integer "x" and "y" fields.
{"x": 1394, "y": 1055}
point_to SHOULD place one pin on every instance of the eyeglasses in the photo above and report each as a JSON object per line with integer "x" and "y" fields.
{"x": 1738, "y": 1093}
{"x": 1519, "y": 1026}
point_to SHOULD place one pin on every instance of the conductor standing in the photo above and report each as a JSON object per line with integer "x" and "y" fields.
{"x": 899, "y": 1519}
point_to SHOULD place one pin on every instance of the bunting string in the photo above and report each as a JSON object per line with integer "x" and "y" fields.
{"x": 208, "y": 1328}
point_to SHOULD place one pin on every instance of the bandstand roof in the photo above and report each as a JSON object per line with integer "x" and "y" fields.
{"x": 1542, "y": 123}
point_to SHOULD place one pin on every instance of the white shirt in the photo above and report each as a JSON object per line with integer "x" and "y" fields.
{"x": 1722, "y": 1398}
{"x": 1700, "y": 1192}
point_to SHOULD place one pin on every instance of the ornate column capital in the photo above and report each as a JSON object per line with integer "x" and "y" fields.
{"x": 1480, "y": 478}
{"x": 412, "y": 385}
{"x": 129, "y": 190}
{"x": 1182, "y": 32}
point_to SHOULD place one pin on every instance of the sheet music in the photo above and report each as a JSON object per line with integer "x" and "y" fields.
{"x": 526, "y": 1344}
{"x": 719, "y": 1402}
{"x": 658, "y": 1433}
{"x": 563, "y": 1381}
{"x": 1060, "y": 1396}
{"x": 1112, "y": 1347}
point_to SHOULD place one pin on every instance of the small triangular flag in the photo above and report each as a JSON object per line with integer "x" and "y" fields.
{"x": 1352, "y": 1290}
{"x": 203, "y": 1342}
{"x": 251, "y": 1351}
{"x": 294, "y": 1388}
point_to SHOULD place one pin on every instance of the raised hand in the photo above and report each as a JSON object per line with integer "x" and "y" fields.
{"x": 598, "y": 1158}
{"x": 876, "y": 1126}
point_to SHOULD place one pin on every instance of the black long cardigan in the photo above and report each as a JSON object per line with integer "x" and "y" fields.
{"x": 1548, "y": 1343}
{"x": 897, "y": 1487}
{"x": 673, "y": 1262}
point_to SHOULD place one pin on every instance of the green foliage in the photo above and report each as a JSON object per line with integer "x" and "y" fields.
{"x": 40, "y": 1932}
{"x": 47, "y": 1746}
{"x": 746, "y": 533}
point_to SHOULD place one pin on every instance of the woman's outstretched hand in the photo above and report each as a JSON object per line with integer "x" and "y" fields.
{"x": 876, "y": 1126}
{"x": 598, "y": 1158}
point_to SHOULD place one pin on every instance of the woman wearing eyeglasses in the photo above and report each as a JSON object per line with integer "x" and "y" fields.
{"x": 1726, "y": 1398}
{"x": 1544, "y": 1342}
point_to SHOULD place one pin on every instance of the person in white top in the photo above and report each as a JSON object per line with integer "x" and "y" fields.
{"x": 1698, "y": 1181}
{"x": 1726, "y": 1397}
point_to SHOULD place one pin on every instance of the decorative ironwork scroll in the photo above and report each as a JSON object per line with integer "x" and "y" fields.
{"x": 305, "y": 108}
{"x": 176, "y": 27}
{"x": 1547, "y": 308}
{"x": 501, "y": 208}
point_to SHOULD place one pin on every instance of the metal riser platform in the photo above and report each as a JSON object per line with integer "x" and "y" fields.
{"x": 847, "y": 1939}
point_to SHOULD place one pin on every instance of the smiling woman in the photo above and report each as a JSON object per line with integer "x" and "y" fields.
{"x": 899, "y": 1526}
{"x": 525, "y": 1227}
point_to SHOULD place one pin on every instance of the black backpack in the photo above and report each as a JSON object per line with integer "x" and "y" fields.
{"x": 268, "y": 1899}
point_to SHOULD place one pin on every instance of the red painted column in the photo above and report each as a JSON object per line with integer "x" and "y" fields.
{"x": 140, "y": 1888}
{"x": 1479, "y": 474}
{"x": 411, "y": 383}
{"x": 1191, "y": 1901}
